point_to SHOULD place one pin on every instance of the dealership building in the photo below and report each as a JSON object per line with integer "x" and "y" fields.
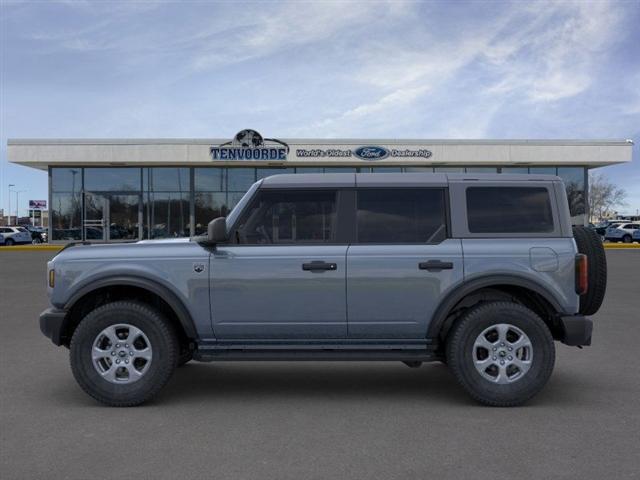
{"x": 132, "y": 189}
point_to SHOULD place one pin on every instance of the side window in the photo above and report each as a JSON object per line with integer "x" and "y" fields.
{"x": 289, "y": 216}
{"x": 401, "y": 215}
{"x": 509, "y": 210}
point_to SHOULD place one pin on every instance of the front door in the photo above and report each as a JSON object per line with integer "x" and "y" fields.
{"x": 285, "y": 276}
{"x": 112, "y": 217}
{"x": 401, "y": 264}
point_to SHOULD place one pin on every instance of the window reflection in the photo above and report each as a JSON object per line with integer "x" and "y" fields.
{"x": 543, "y": 170}
{"x": 267, "y": 172}
{"x": 166, "y": 179}
{"x": 66, "y": 179}
{"x": 112, "y": 179}
{"x": 240, "y": 179}
{"x": 167, "y": 215}
{"x": 65, "y": 216}
{"x": 481, "y": 169}
{"x": 210, "y": 179}
{"x": 208, "y": 205}
{"x": 573, "y": 178}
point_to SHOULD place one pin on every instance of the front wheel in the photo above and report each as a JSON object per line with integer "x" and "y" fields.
{"x": 123, "y": 353}
{"x": 501, "y": 353}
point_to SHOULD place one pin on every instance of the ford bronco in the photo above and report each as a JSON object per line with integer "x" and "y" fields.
{"x": 481, "y": 272}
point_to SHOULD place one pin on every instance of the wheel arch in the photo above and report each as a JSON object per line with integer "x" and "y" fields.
{"x": 119, "y": 287}
{"x": 528, "y": 292}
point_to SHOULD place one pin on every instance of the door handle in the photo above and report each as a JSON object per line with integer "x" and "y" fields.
{"x": 435, "y": 265}
{"x": 319, "y": 266}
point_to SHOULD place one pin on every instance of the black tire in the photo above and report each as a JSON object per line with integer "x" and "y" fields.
{"x": 9, "y": 242}
{"x": 626, "y": 239}
{"x": 460, "y": 350}
{"x": 36, "y": 241}
{"x": 161, "y": 337}
{"x": 589, "y": 244}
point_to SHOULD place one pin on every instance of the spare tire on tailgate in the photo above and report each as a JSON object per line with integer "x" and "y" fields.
{"x": 589, "y": 243}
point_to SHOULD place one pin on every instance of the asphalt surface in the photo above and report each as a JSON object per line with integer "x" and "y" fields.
{"x": 318, "y": 420}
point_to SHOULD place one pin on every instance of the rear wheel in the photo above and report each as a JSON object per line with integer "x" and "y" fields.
{"x": 123, "y": 353}
{"x": 589, "y": 244}
{"x": 501, "y": 353}
{"x": 626, "y": 239}
{"x": 9, "y": 242}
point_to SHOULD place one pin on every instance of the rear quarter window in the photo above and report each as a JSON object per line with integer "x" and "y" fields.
{"x": 509, "y": 210}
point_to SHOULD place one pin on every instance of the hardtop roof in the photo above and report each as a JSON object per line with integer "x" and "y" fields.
{"x": 415, "y": 179}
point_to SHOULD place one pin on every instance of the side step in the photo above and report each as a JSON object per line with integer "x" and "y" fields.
{"x": 419, "y": 351}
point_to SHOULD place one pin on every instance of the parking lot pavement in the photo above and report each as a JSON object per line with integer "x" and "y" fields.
{"x": 318, "y": 420}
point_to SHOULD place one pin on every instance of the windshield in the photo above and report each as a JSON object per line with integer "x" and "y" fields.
{"x": 233, "y": 215}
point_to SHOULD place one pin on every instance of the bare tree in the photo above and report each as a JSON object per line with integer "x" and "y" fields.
{"x": 604, "y": 196}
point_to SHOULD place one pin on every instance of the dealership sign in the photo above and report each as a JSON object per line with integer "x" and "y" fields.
{"x": 366, "y": 152}
{"x": 250, "y": 145}
{"x": 38, "y": 204}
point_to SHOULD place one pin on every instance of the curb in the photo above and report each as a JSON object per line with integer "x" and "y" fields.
{"x": 621, "y": 246}
{"x": 26, "y": 248}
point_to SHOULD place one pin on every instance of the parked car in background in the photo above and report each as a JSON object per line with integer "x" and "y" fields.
{"x": 601, "y": 228}
{"x": 38, "y": 234}
{"x": 15, "y": 235}
{"x": 622, "y": 232}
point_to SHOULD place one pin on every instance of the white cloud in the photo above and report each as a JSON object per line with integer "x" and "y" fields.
{"x": 553, "y": 56}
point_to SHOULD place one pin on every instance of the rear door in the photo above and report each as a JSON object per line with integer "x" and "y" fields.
{"x": 401, "y": 263}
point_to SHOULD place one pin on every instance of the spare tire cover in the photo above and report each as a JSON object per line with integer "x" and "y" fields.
{"x": 589, "y": 243}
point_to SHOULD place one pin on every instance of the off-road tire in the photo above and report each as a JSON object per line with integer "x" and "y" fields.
{"x": 589, "y": 243}
{"x": 460, "y": 345}
{"x": 160, "y": 334}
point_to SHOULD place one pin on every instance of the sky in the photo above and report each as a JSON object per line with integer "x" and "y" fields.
{"x": 374, "y": 69}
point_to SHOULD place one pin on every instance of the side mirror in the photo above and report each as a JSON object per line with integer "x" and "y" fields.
{"x": 217, "y": 230}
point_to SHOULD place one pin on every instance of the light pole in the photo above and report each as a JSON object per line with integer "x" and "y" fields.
{"x": 18, "y": 192}
{"x": 9, "y": 212}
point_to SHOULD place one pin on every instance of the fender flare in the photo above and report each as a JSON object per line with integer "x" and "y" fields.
{"x": 184, "y": 317}
{"x": 453, "y": 297}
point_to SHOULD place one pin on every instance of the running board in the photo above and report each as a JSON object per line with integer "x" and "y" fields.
{"x": 418, "y": 351}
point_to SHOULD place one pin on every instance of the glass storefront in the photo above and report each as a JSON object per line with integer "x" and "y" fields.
{"x": 133, "y": 203}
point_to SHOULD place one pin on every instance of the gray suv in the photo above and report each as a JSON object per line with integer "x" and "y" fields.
{"x": 481, "y": 272}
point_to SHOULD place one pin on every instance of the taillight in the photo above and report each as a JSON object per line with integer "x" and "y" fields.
{"x": 582, "y": 270}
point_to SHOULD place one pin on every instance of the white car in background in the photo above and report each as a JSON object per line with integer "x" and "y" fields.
{"x": 622, "y": 232}
{"x": 15, "y": 235}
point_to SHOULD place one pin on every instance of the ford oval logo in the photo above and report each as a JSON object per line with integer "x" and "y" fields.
{"x": 371, "y": 153}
